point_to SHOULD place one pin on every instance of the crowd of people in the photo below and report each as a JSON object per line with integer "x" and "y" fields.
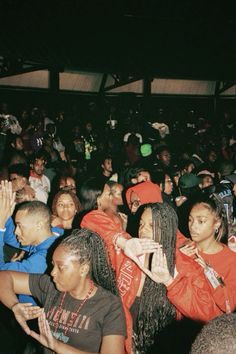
{"x": 116, "y": 237}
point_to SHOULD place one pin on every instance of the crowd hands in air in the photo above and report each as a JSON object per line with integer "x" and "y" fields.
{"x": 132, "y": 248}
{"x": 115, "y": 235}
{"x": 24, "y": 312}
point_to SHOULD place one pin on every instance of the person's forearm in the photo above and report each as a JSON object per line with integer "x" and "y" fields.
{"x": 61, "y": 348}
{"x": 3, "y": 221}
{"x": 7, "y": 294}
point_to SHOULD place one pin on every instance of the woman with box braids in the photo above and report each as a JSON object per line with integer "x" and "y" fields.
{"x": 152, "y": 311}
{"x": 79, "y": 315}
{"x": 91, "y": 248}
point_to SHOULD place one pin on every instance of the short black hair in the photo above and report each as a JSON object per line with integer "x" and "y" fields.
{"x": 132, "y": 172}
{"x": 40, "y": 155}
{"x": 105, "y": 156}
{"x": 158, "y": 177}
{"x": 217, "y": 337}
{"x": 37, "y": 208}
{"x": 20, "y": 169}
{"x": 160, "y": 149}
{"x": 89, "y": 192}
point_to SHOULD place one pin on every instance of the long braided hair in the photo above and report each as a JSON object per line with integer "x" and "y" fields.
{"x": 155, "y": 310}
{"x": 90, "y": 248}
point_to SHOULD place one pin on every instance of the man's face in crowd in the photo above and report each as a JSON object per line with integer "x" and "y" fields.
{"x": 165, "y": 157}
{"x": 107, "y": 165}
{"x": 39, "y": 166}
{"x": 26, "y": 228}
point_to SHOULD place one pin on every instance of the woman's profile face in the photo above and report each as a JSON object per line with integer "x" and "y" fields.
{"x": 202, "y": 223}
{"x": 146, "y": 225}
{"x": 65, "y": 207}
{"x": 67, "y": 271}
{"x": 168, "y": 185}
{"x": 117, "y": 194}
{"x": 104, "y": 200}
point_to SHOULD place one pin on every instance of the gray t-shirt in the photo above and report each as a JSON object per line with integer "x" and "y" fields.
{"x": 101, "y": 315}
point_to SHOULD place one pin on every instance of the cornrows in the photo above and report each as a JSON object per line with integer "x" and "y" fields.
{"x": 90, "y": 248}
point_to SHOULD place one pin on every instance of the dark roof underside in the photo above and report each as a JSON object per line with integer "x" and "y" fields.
{"x": 165, "y": 39}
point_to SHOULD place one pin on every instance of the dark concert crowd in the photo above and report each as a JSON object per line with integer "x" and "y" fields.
{"x": 117, "y": 229}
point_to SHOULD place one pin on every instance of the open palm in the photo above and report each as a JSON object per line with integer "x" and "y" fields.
{"x": 136, "y": 247}
{"x": 159, "y": 267}
{"x": 24, "y": 312}
{"x": 44, "y": 336}
{"x": 159, "y": 272}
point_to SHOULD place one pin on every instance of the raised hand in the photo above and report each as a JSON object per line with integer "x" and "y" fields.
{"x": 188, "y": 248}
{"x": 159, "y": 268}
{"x": 159, "y": 272}
{"x": 135, "y": 247}
{"x": 24, "y": 312}
{"x": 7, "y": 202}
{"x": 45, "y": 336}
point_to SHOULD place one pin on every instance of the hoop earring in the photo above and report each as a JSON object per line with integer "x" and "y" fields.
{"x": 216, "y": 231}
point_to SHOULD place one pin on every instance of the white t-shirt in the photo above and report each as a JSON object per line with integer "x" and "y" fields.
{"x": 42, "y": 187}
